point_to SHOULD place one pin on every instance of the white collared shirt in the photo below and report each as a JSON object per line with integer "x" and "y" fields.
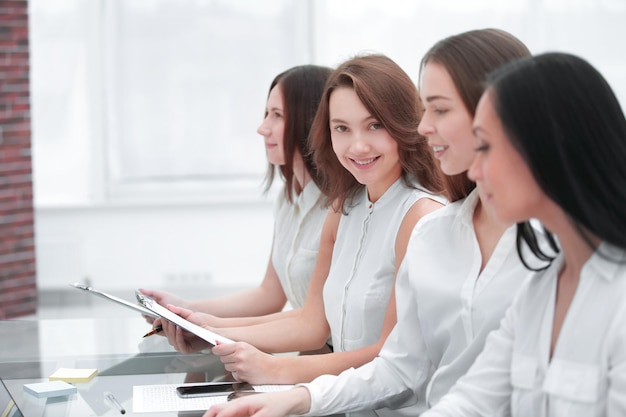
{"x": 446, "y": 307}
{"x": 586, "y": 376}
{"x": 297, "y": 231}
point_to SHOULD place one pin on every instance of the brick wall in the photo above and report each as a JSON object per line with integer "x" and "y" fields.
{"x": 18, "y": 290}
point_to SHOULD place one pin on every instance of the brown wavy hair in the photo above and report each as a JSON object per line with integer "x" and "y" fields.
{"x": 469, "y": 57}
{"x": 391, "y": 97}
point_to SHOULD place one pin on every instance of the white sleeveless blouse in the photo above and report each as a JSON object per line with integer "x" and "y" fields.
{"x": 297, "y": 231}
{"x": 359, "y": 283}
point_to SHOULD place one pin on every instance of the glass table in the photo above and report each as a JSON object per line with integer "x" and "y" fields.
{"x": 31, "y": 350}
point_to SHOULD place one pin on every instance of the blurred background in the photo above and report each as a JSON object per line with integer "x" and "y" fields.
{"x": 147, "y": 169}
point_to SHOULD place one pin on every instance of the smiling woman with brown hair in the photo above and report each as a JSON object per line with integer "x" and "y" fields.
{"x": 382, "y": 181}
{"x": 460, "y": 272}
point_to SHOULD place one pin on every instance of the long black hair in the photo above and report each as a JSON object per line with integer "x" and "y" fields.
{"x": 564, "y": 119}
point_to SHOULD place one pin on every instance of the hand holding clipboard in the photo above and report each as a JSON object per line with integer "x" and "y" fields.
{"x": 166, "y": 314}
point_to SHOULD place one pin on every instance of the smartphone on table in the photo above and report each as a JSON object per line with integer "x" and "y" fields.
{"x": 239, "y": 394}
{"x": 209, "y": 389}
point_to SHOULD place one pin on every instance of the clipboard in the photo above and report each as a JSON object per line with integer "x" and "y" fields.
{"x": 137, "y": 307}
{"x": 164, "y": 313}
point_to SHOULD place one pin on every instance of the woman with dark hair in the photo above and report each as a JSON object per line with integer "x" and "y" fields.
{"x": 461, "y": 268}
{"x": 379, "y": 177}
{"x": 551, "y": 145}
{"x": 299, "y": 212}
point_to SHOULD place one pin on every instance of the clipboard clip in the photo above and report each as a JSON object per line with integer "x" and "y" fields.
{"x": 82, "y": 286}
{"x": 144, "y": 300}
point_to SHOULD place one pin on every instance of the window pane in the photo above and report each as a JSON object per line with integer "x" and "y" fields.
{"x": 188, "y": 84}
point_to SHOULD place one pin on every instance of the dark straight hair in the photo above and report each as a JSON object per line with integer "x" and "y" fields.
{"x": 563, "y": 118}
{"x": 302, "y": 89}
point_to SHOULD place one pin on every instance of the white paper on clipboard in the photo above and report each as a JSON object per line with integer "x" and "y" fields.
{"x": 164, "y": 313}
{"x": 134, "y": 306}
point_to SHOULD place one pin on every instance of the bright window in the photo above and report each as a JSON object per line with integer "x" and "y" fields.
{"x": 154, "y": 101}
{"x": 159, "y": 100}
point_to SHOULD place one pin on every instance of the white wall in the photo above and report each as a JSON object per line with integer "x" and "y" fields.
{"x": 121, "y": 232}
{"x": 147, "y": 167}
{"x": 119, "y": 248}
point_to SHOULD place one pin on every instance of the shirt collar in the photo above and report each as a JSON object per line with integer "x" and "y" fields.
{"x": 388, "y": 195}
{"x": 466, "y": 213}
{"x": 606, "y": 261}
{"x": 308, "y": 197}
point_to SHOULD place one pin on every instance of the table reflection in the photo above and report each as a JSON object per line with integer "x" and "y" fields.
{"x": 32, "y": 350}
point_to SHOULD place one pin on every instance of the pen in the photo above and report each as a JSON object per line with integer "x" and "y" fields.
{"x": 154, "y": 331}
{"x": 109, "y": 396}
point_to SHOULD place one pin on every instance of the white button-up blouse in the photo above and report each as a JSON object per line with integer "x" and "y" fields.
{"x": 446, "y": 307}
{"x": 586, "y": 376}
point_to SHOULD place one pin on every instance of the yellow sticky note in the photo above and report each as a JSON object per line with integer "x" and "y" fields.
{"x": 73, "y": 374}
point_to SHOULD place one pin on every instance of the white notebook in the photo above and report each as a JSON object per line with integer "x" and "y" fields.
{"x": 163, "y": 398}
